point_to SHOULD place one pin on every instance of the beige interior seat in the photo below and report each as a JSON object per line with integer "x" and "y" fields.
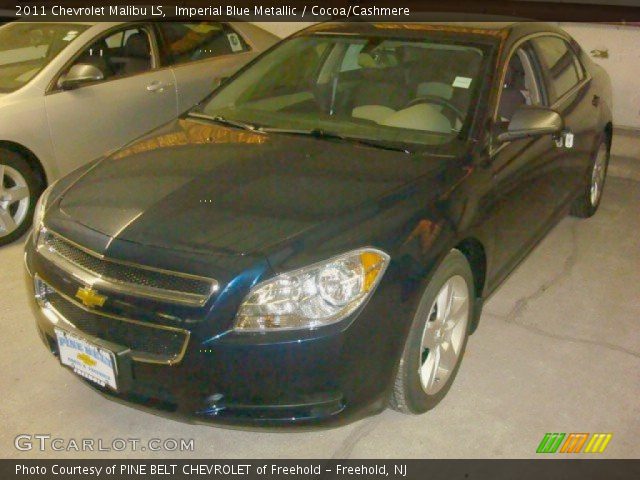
{"x": 375, "y": 113}
{"x": 378, "y": 96}
{"x": 377, "y": 100}
{"x": 419, "y": 117}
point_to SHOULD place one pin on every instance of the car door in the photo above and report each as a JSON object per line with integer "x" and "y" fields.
{"x": 133, "y": 98}
{"x": 200, "y": 54}
{"x": 525, "y": 190}
{"x": 570, "y": 95}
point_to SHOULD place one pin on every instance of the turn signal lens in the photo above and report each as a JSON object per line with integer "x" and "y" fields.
{"x": 314, "y": 296}
{"x": 39, "y": 211}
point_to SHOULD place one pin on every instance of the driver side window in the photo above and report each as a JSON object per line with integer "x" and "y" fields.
{"x": 521, "y": 84}
{"x": 119, "y": 54}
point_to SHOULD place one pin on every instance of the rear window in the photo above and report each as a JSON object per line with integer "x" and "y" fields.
{"x": 189, "y": 42}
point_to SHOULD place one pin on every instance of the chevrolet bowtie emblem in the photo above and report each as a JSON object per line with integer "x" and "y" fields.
{"x": 86, "y": 359}
{"x": 90, "y": 298}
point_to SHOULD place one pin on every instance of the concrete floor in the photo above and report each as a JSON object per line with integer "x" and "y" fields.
{"x": 558, "y": 350}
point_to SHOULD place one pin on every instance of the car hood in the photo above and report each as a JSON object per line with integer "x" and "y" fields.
{"x": 198, "y": 186}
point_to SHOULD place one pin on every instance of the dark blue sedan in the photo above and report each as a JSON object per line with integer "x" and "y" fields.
{"x": 315, "y": 240}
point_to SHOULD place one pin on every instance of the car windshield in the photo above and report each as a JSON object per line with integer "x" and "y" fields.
{"x": 26, "y": 48}
{"x": 369, "y": 88}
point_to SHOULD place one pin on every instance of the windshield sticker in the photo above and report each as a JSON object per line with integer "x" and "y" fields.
{"x": 234, "y": 42}
{"x": 462, "y": 82}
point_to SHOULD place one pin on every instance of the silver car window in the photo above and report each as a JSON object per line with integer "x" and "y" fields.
{"x": 121, "y": 53}
{"x": 189, "y": 42}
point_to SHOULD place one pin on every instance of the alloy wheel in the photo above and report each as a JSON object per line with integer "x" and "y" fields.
{"x": 444, "y": 334}
{"x": 598, "y": 175}
{"x": 14, "y": 200}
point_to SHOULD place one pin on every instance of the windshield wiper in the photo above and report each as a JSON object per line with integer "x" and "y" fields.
{"x": 226, "y": 121}
{"x": 323, "y": 134}
{"x": 316, "y": 133}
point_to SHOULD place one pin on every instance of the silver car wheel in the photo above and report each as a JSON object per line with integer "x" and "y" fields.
{"x": 14, "y": 199}
{"x": 444, "y": 334}
{"x": 598, "y": 175}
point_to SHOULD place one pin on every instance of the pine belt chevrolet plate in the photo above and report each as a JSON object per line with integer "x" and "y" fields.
{"x": 86, "y": 359}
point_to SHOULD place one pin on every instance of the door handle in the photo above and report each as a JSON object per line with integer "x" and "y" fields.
{"x": 595, "y": 101}
{"x": 157, "y": 86}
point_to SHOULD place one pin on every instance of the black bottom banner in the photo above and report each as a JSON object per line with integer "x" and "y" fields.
{"x": 323, "y": 469}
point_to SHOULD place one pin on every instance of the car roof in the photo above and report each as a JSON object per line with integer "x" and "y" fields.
{"x": 504, "y": 29}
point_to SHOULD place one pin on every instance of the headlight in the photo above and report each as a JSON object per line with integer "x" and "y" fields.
{"x": 314, "y": 296}
{"x": 38, "y": 213}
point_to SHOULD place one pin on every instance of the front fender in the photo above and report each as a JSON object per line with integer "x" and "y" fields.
{"x": 24, "y": 125}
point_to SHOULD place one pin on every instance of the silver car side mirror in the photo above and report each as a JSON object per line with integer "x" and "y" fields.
{"x": 80, "y": 74}
{"x": 532, "y": 122}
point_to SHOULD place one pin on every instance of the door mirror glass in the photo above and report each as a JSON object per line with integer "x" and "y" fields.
{"x": 80, "y": 74}
{"x": 530, "y": 121}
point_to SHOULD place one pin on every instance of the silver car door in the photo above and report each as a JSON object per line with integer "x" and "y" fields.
{"x": 200, "y": 53}
{"x": 101, "y": 116}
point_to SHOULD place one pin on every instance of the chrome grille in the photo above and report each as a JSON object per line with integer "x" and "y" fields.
{"x": 126, "y": 278}
{"x": 148, "y": 342}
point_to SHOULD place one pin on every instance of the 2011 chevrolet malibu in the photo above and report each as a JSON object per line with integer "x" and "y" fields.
{"x": 71, "y": 92}
{"x": 315, "y": 240}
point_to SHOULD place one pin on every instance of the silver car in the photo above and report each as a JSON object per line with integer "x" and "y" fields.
{"x": 71, "y": 92}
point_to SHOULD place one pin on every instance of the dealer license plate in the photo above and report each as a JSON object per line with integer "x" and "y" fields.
{"x": 86, "y": 359}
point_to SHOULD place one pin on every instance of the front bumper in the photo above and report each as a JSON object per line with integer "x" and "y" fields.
{"x": 328, "y": 377}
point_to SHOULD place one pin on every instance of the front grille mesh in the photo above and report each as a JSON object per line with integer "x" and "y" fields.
{"x": 127, "y": 274}
{"x": 149, "y": 343}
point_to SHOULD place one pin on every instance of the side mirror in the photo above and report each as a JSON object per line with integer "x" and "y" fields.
{"x": 532, "y": 122}
{"x": 80, "y": 74}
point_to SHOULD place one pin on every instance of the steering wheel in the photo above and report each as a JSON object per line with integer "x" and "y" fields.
{"x": 443, "y": 102}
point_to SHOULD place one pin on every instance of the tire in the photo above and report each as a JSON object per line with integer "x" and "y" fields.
{"x": 586, "y": 205}
{"x": 415, "y": 392}
{"x": 19, "y": 191}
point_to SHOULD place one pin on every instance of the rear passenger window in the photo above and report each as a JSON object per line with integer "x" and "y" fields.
{"x": 563, "y": 68}
{"x": 189, "y": 42}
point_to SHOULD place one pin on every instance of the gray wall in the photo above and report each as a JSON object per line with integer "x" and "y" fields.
{"x": 623, "y": 44}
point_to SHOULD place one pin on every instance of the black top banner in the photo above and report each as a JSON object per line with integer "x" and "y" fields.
{"x": 618, "y": 11}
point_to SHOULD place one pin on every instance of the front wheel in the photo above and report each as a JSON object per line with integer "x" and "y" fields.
{"x": 19, "y": 190}
{"x": 587, "y": 203}
{"x": 437, "y": 339}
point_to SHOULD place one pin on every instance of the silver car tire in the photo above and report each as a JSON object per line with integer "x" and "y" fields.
{"x": 19, "y": 190}
{"x": 586, "y": 205}
{"x": 437, "y": 338}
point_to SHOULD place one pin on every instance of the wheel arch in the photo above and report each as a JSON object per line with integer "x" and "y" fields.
{"x": 30, "y": 158}
{"x": 475, "y": 253}
{"x": 608, "y": 131}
